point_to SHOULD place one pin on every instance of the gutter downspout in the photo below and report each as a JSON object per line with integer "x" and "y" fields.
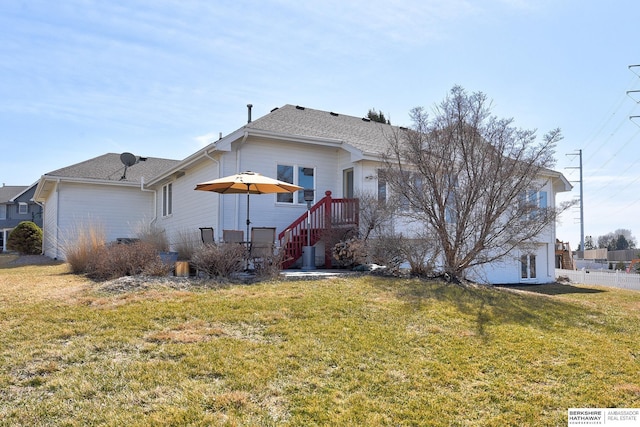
{"x": 42, "y": 215}
{"x": 57, "y": 218}
{"x": 220, "y": 199}
{"x": 155, "y": 200}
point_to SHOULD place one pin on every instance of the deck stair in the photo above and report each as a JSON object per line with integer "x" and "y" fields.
{"x": 564, "y": 257}
{"x": 326, "y": 215}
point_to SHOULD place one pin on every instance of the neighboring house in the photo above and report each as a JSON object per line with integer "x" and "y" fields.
{"x": 101, "y": 192}
{"x": 17, "y": 205}
{"x": 319, "y": 150}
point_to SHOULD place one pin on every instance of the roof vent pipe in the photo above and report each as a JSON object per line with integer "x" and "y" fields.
{"x": 249, "y": 106}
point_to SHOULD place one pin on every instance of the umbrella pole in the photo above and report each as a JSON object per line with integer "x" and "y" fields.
{"x": 248, "y": 220}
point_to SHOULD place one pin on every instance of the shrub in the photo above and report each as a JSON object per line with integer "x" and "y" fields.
{"x": 421, "y": 254}
{"x": 387, "y": 251}
{"x": 219, "y": 260}
{"x": 26, "y": 239}
{"x": 334, "y": 236}
{"x": 350, "y": 252}
{"x": 269, "y": 266}
{"x": 117, "y": 260}
{"x": 80, "y": 248}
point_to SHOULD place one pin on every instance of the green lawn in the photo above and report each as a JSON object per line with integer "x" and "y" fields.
{"x": 345, "y": 351}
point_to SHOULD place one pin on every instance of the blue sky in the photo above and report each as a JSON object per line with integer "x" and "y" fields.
{"x": 79, "y": 78}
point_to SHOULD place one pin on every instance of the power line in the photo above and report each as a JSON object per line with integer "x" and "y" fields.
{"x": 609, "y": 117}
{"x": 605, "y": 142}
{"x": 622, "y": 147}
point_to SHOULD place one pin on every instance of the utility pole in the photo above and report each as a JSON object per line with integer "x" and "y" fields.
{"x": 579, "y": 154}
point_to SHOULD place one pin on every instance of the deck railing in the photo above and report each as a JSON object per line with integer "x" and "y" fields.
{"x": 310, "y": 227}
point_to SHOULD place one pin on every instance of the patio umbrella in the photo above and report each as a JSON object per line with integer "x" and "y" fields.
{"x": 247, "y": 183}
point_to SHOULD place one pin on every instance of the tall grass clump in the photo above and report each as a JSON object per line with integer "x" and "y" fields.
{"x": 81, "y": 247}
{"x": 186, "y": 244}
{"x": 153, "y": 236}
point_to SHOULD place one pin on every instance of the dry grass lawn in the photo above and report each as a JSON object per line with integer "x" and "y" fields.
{"x": 344, "y": 351}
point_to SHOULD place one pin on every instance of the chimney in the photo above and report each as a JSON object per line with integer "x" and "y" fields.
{"x": 249, "y": 106}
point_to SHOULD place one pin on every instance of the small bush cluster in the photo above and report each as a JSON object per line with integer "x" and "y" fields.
{"x": 26, "y": 239}
{"x": 387, "y": 251}
{"x": 421, "y": 255}
{"x": 219, "y": 260}
{"x": 269, "y": 266}
{"x": 117, "y": 260}
{"x": 390, "y": 251}
{"x": 350, "y": 252}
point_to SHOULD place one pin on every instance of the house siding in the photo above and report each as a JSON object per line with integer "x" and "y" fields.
{"x": 191, "y": 209}
{"x": 50, "y": 226}
{"x": 263, "y": 156}
{"x": 118, "y": 211}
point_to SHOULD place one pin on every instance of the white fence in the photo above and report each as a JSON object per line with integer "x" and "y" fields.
{"x": 617, "y": 279}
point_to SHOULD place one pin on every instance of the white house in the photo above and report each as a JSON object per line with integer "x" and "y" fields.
{"x": 320, "y": 150}
{"x": 100, "y": 192}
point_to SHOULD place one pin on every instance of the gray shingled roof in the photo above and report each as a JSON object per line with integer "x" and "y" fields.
{"x": 8, "y": 192}
{"x": 109, "y": 167}
{"x": 367, "y": 136}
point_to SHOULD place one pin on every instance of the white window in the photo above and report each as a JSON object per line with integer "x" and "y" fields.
{"x": 528, "y": 266}
{"x": 535, "y": 201}
{"x": 167, "y": 199}
{"x": 297, "y": 175}
{"x": 23, "y": 208}
{"x": 450, "y": 208}
{"x": 382, "y": 186}
{"x": 3, "y": 211}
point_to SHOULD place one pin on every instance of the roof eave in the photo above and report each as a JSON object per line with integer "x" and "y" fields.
{"x": 333, "y": 142}
{"x": 559, "y": 178}
{"x": 223, "y": 144}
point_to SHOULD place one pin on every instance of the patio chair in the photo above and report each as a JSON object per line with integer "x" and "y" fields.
{"x": 206, "y": 234}
{"x": 233, "y": 236}
{"x": 262, "y": 244}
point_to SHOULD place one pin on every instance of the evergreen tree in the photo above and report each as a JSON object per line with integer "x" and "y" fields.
{"x": 26, "y": 239}
{"x": 378, "y": 116}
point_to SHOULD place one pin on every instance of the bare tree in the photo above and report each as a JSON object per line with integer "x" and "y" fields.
{"x": 473, "y": 180}
{"x": 618, "y": 240}
{"x": 376, "y": 215}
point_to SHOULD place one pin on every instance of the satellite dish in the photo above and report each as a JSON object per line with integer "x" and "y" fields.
{"x": 127, "y": 160}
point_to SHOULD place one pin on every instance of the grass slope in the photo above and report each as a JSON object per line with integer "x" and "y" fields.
{"x": 346, "y": 351}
